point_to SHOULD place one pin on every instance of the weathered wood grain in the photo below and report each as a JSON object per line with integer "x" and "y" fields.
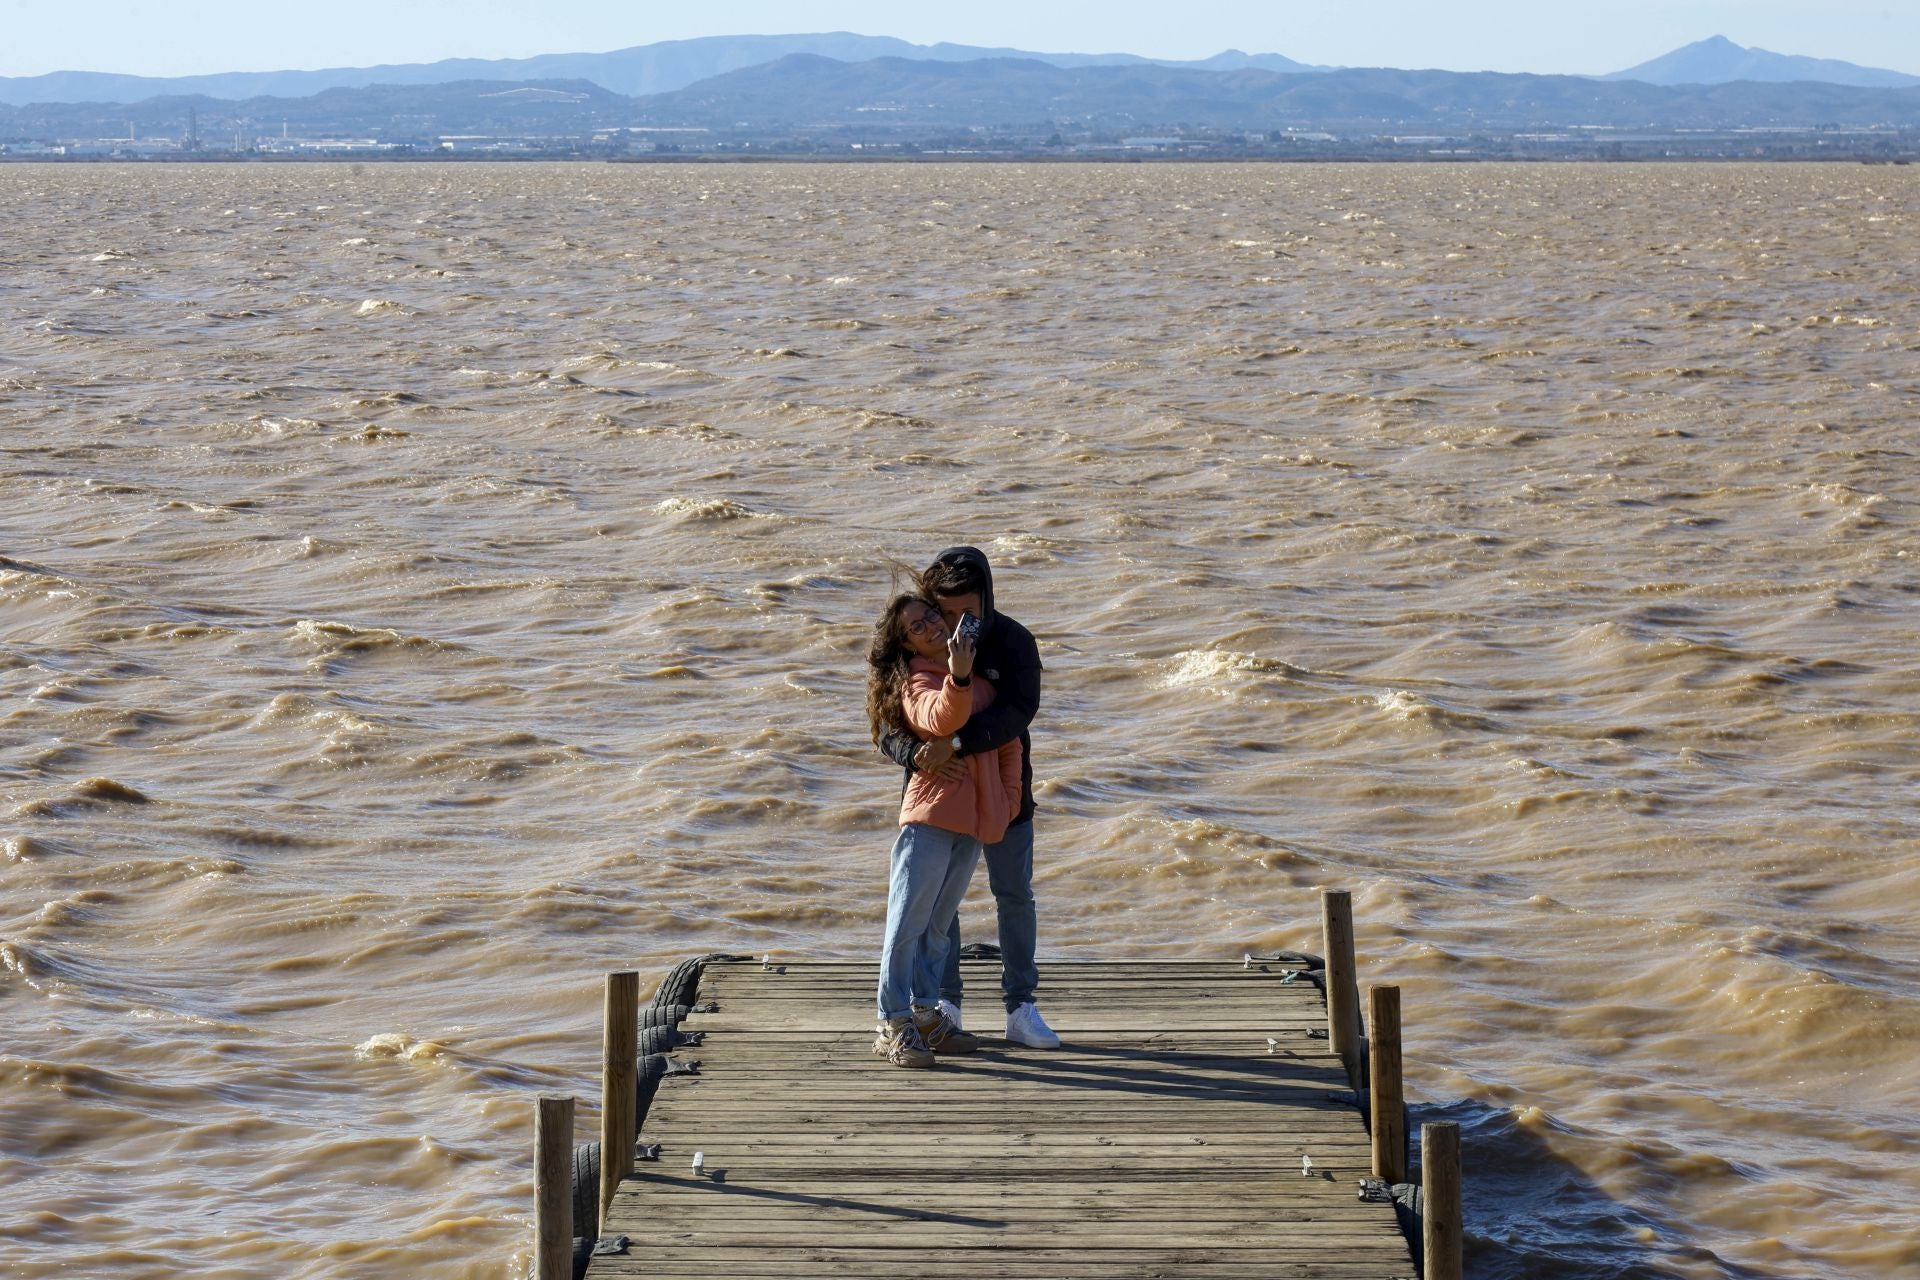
{"x": 1165, "y": 1138}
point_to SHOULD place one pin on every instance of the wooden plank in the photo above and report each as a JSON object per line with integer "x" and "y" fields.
{"x": 1158, "y": 996}
{"x": 1030, "y": 1211}
{"x": 1032, "y": 1249}
{"x": 1079, "y": 1267}
{"x": 1071, "y": 1025}
{"x": 983, "y": 1105}
{"x": 1276, "y": 1201}
{"x": 1231, "y": 1047}
{"x": 1371, "y": 1255}
{"x": 1128, "y": 1269}
{"x": 1051, "y": 974}
{"x": 1171, "y": 963}
{"x": 1102, "y": 1097}
{"x": 982, "y": 1075}
{"x": 1030, "y": 1244}
{"x": 922, "y": 1201}
{"x": 1190, "y": 1072}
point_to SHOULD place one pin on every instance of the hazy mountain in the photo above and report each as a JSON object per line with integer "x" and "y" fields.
{"x": 648, "y": 68}
{"x": 802, "y": 90}
{"x": 1234, "y": 60}
{"x": 1718, "y": 60}
{"x": 406, "y": 113}
{"x": 921, "y": 98}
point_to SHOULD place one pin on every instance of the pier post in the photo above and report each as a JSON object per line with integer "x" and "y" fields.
{"x": 619, "y": 1058}
{"x": 1440, "y": 1199}
{"x": 553, "y": 1188}
{"x": 1388, "y": 1110}
{"x": 1343, "y": 991}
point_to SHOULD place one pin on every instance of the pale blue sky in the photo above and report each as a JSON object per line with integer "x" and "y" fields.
{"x": 180, "y": 37}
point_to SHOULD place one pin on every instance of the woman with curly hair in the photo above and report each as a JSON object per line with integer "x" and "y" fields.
{"x": 920, "y": 680}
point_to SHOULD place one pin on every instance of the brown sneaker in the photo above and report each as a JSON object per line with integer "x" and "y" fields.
{"x": 942, "y": 1034}
{"x": 899, "y": 1042}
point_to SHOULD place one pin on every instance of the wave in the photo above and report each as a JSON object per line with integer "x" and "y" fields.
{"x": 1212, "y": 666}
{"x": 707, "y": 509}
{"x": 341, "y": 639}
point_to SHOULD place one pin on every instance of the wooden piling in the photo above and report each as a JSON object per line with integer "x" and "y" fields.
{"x": 1388, "y": 1110}
{"x": 1440, "y": 1197}
{"x": 619, "y": 1056}
{"x": 553, "y": 1188}
{"x": 1343, "y": 991}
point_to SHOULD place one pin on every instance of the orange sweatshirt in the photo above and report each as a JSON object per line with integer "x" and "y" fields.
{"x": 988, "y": 798}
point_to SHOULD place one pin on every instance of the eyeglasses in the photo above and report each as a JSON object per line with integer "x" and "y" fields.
{"x": 923, "y": 626}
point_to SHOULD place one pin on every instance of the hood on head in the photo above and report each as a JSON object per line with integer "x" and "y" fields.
{"x": 973, "y": 556}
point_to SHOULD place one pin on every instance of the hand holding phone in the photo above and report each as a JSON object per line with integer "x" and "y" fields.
{"x": 960, "y": 646}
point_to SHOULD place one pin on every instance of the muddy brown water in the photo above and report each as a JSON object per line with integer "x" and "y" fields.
{"x": 427, "y": 587}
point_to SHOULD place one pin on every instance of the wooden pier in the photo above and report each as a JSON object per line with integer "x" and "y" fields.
{"x": 1201, "y": 1119}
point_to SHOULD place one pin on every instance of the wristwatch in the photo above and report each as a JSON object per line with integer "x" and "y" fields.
{"x": 954, "y": 742}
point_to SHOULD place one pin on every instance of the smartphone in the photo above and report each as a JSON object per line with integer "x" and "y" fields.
{"x": 969, "y": 626}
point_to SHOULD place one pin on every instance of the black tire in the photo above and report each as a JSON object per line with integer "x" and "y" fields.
{"x": 646, "y": 1084}
{"x": 586, "y": 1190}
{"x": 663, "y": 1015}
{"x": 680, "y": 984}
{"x": 653, "y": 1040}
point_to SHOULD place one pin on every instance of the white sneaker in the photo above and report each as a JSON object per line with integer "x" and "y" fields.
{"x": 1026, "y": 1026}
{"x": 952, "y": 1011}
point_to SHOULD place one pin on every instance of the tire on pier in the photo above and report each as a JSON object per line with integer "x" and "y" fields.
{"x": 586, "y": 1190}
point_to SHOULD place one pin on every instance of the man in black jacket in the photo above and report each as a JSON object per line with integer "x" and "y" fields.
{"x": 960, "y": 581}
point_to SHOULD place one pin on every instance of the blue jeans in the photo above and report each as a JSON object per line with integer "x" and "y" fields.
{"x": 925, "y": 883}
{"x": 1010, "y": 876}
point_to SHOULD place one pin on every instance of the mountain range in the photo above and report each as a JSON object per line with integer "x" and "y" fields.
{"x": 643, "y": 69}
{"x": 671, "y": 65}
{"x": 805, "y": 95}
{"x": 801, "y": 88}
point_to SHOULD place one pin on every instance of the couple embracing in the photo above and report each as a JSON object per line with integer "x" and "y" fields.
{"x": 952, "y": 685}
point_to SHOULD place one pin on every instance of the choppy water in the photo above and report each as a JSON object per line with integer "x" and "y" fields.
{"x": 426, "y": 588}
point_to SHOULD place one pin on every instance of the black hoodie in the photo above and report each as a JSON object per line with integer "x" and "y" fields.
{"x": 1007, "y": 656}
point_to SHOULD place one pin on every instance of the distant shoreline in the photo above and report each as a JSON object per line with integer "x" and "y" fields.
{"x": 1357, "y": 157}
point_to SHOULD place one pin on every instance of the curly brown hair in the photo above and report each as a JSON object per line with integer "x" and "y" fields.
{"x": 887, "y": 668}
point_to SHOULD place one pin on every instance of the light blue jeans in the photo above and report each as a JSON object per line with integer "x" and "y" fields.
{"x": 925, "y": 883}
{"x": 1010, "y": 876}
